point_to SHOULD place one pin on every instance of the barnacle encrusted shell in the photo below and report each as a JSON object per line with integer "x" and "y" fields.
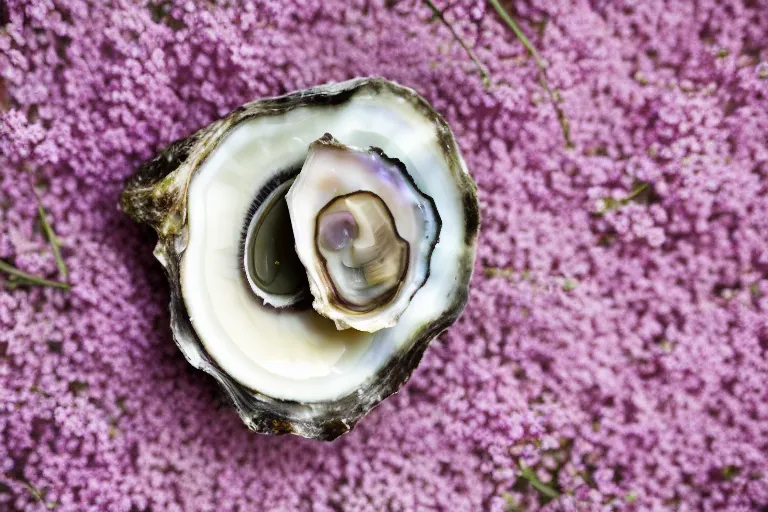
{"x": 370, "y": 367}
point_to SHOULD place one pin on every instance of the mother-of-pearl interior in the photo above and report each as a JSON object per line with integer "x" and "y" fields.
{"x": 294, "y": 355}
{"x": 331, "y": 172}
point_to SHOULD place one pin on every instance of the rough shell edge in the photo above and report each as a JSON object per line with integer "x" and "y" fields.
{"x": 156, "y": 195}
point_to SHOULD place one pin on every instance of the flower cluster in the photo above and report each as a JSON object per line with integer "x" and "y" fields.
{"x": 614, "y": 352}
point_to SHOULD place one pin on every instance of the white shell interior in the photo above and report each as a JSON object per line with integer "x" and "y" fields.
{"x": 292, "y": 355}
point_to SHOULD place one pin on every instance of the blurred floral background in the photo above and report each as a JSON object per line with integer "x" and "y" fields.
{"x": 614, "y": 352}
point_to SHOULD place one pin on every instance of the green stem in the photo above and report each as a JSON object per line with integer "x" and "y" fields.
{"x": 51, "y": 236}
{"x": 543, "y": 488}
{"x": 39, "y": 496}
{"x": 31, "y": 278}
{"x": 636, "y": 192}
{"x": 611, "y": 204}
{"x": 511, "y": 23}
{"x": 519, "y": 33}
{"x": 439, "y": 14}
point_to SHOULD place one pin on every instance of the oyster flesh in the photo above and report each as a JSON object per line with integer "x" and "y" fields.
{"x": 364, "y": 232}
{"x": 315, "y": 244}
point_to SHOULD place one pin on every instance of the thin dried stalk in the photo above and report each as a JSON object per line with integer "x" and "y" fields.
{"x": 31, "y": 279}
{"x": 51, "y": 236}
{"x": 439, "y": 15}
{"x": 564, "y": 125}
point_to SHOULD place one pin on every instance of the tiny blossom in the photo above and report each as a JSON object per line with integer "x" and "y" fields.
{"x": 615, "y": 344}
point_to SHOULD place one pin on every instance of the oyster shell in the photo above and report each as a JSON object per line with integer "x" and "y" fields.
{"x": 239, "y": 293}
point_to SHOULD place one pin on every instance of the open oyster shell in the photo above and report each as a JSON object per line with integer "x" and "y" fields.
{"x": 218, "y": 196}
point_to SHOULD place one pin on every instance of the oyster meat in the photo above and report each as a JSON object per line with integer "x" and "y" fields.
{"x": 364, "y": 232}
{"x": 315, "y": 244}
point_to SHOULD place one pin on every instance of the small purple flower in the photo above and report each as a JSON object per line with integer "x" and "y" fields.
{"x": 639, "y": 385}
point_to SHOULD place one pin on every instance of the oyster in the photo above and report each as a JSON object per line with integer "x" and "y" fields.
{"x": 351, "y": 196}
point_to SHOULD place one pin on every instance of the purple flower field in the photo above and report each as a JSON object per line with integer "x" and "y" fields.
{"x": 614, "y": 351}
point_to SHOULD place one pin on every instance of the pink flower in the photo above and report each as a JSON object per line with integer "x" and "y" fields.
{"x": 620, "y": 356}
